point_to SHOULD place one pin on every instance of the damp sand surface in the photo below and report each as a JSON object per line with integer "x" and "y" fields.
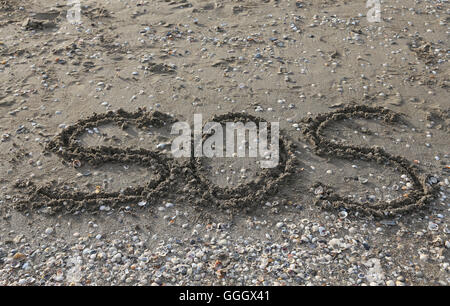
{"x": 360, "y": 196}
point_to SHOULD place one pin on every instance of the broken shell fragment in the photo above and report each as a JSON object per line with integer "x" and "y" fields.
{"x": 76, "y": 163}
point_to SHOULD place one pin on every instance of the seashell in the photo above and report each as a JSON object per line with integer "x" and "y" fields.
{"x": 318, "y": 190}
{"x": 433, "y": 226}
{"x": 363, "y": 180}
{"x": 432, "y": 180}
{"x": 343, "y": 214}
{"x": 76, "y": 163}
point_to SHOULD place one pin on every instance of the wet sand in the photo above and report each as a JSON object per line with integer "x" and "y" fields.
{"x": 360, "y": 200}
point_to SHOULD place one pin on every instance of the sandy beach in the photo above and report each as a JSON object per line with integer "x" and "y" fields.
{"x": 90, "y": 193}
